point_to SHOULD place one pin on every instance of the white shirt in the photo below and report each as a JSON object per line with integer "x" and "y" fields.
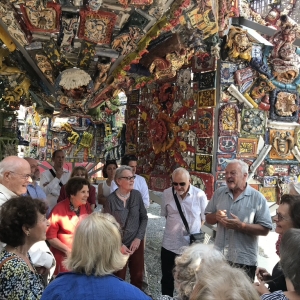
{"x": 193, "y": 207}
{"x": 140, "y": 184}
{"x": 52, "y": 189}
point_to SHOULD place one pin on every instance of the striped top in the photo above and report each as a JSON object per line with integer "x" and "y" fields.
{"x": 278, "y": 295}
{"x": 137, "y": 220}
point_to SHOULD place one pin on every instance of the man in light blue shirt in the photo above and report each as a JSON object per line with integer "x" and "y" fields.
{"x": 33, "y": 189}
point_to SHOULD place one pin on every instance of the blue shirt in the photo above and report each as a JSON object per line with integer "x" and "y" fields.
{"x": 250, "y": 207}
{"x": 77, "y": 286}
{"x": 35, "y": 192}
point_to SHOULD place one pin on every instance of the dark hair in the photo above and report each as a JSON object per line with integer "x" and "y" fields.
{"x": 289, "y": 257}
{"x": 56, "y": 151}
{"x": 15, "y": 213}
{"x": 75, "y": 184}
{"x": 108, "y": 162}
{"x": 293, "y": 201}
{"x": 127, "y": 158}
{"x": 79, "y": 168}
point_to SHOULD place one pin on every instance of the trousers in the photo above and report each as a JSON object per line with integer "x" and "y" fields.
{"x": 167, "y": 266}
{"x": 136, "y": 267}
{"x": 250, "y": 270}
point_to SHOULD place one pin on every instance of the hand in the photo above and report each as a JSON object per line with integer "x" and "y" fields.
{"x": 261, "y": 288}
{"x": 46, "y": 183}
{"x": 67, "y": 251}
{"x": 42, "y": 270}
{"x": 125, "y": 250}
{"x": 234, "y": 223}
{"x": 262, "y": 274}
{"x": 135, "y": 244}
{"x": 220, "y": 215}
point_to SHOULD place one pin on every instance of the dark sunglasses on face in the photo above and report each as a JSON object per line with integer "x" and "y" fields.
{"x": 178, "y": 183}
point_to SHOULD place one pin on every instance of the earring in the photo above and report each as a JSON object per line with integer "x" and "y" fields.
{"x": 28, "y": 233}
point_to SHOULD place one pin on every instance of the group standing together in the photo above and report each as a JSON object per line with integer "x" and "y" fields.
{"x": 90, "y": 251}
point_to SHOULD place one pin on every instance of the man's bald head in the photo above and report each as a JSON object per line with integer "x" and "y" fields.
{"x": 15, "y": 174}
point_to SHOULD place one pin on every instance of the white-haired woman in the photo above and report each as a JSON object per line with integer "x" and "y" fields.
{"x": 126, "y": 205}
{"x": 188, "y": 264}
{"x": 94, "y": 258}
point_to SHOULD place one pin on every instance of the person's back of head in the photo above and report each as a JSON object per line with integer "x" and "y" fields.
{"x": 223, "y": 282}
{"x": 96, "y": 246}
{"x": 289, "y": 257}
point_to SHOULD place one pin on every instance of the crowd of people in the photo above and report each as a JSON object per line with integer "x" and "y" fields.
{"x": 54, "y": 232}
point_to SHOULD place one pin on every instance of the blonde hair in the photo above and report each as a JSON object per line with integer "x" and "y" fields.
{"x": 223, "y": 282}
{"x": 96, "y": 246}
{"x": 188, "y": 264}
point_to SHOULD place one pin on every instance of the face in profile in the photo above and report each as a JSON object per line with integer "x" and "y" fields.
{"x": 81, "y": 196}
{"x": 38, "y": 232}
{"x": 19, "y": 179}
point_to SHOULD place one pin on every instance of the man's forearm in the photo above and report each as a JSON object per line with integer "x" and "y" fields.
{"x": 253, "y": 229}
{"x": 211, "y": 218}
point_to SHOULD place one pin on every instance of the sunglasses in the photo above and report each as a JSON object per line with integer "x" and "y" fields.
{"x": 178, "y": 183}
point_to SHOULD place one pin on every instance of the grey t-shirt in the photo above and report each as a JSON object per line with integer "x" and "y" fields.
{"x": 250, "y": 207}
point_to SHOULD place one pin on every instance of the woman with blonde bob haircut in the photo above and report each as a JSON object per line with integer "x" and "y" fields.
{"x": 223, "y": 282}
{"x": 96, "y": 255}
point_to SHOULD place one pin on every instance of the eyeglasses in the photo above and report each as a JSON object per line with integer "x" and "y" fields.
{"x": 178, "y": 183}
{"x": 280, "y": 217}
{"x": 24, "y": 176}
{"x": 129, "y": 178}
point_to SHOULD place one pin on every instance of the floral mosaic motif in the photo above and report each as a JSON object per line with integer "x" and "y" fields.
{"x": 203, "y": 163}
{"x": 227, "y": 72}
{"x": 246, "y": 148}
{"x": 253, "y": 122}
{"x": 42, "y": 20}
{"x": 203, "y": 63}
{"x": 205, "y": 98}
{"x": 159, "y": 182}
{"x": 270, "y": 181}
{"x": 228, "y": 120}
{"x": 205, "y": 145}
{"x": 205, "y": 120}
{"x": 282, "y": 142}
{"x": 96, "y": 27}
{"x": 203, "y": 181}
{"x": 227, "y": 144}
{"x": 284, "y": 106}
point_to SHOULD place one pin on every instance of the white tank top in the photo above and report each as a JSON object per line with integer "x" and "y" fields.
{"x": 106, "y": 189}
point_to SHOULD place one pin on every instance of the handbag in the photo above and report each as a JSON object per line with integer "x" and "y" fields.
{"x": 194, "y": 237}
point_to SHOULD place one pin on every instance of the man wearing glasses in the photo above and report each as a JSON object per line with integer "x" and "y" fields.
{"x": 193, "y": 202}
{"x": 242, "y": 214}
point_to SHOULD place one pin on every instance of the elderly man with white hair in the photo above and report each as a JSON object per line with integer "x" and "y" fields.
{"x": 192, "y": 201}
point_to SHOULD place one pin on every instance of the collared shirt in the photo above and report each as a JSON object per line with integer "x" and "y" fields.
{"x": 140, "y": 184}
{"x": 52, "y": 189}
{"x": 136, "y": 212}
{"x": 36, "y": 192}
{"x": 250, "y": 207}
{"x": 5, "y": 194}
{"x": 193, "y": 207}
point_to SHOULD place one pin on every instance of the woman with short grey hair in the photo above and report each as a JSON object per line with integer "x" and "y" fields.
{"x": 126, "y": 205}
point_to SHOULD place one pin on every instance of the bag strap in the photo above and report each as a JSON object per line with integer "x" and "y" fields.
{"x": 54, "y": 175}
{"x": 186, "y": 225}
{"x": 6, "y": 260}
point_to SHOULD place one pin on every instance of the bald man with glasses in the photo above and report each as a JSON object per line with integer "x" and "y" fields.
{"x": 193, "y": 202}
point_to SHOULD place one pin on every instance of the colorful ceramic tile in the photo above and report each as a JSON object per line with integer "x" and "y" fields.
{"x": 205, "y": 80}
{"x": 284, "y": 106}
{"x": 220, "y": 175}
{"x": 205, "y": 120}
{"x": 42, "y": 20}
{"x": 246, "y": 148}
{"x": 269, "y": 193}
{"x": 204, "y": 182}
{"x": 132, "y": 131}
{"x": 204, "y": 145}
{"x": 219, "y": 183}
{"x": 280, "y": 170}
{"x": 257, "y": 52}
{"x": 204, "y": 63}
{"x": 229, "y": 123}
{"x": 270, "y": 181}
{"x": 227, "y": 72}
{"x": 133, "y": 97}
{"x": 96, "y": 26}
{"x": 227, "y": 144}
{"x": 132, "y": 111}
{"x": 204, "y": 163}
{"x": 223, "y": 160}
{"x": 205, "y": 98}
{"x": 255, "y": 186}
{"x": 160, "y": 182}
{"x": 282, "y": 142}
{"x": 86, "y": 54}
{"x": 244, "y": 78}
{"x": 253, "y": 122}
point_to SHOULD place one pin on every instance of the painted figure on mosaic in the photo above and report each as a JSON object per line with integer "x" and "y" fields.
{"x": 283, "y": 143}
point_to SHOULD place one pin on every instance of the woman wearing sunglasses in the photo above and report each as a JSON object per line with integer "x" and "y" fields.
{"x": 126, "y": 205}
{"x": 287, "y": 216}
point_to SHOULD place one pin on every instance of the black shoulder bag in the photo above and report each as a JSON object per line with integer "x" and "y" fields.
{"x": 194, "y": 237}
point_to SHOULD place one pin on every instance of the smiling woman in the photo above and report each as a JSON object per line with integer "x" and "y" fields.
{"x": 64, "y": 218}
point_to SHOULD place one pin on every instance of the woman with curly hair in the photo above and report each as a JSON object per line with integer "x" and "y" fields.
{"x": 22, "y": 223}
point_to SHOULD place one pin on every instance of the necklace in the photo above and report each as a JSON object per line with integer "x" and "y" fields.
{"x": 123, "y": 196}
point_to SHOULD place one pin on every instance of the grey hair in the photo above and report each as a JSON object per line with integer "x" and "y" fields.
{"x": 242, "y": 164}
{"x": 10, "y": 163}
{"x": 289, "y": 257}
{"x": 119, "y": 172}
{"x": 188, "y": 264}
{"x": 182, "y": 171}
{"x": 223, "y": 282}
